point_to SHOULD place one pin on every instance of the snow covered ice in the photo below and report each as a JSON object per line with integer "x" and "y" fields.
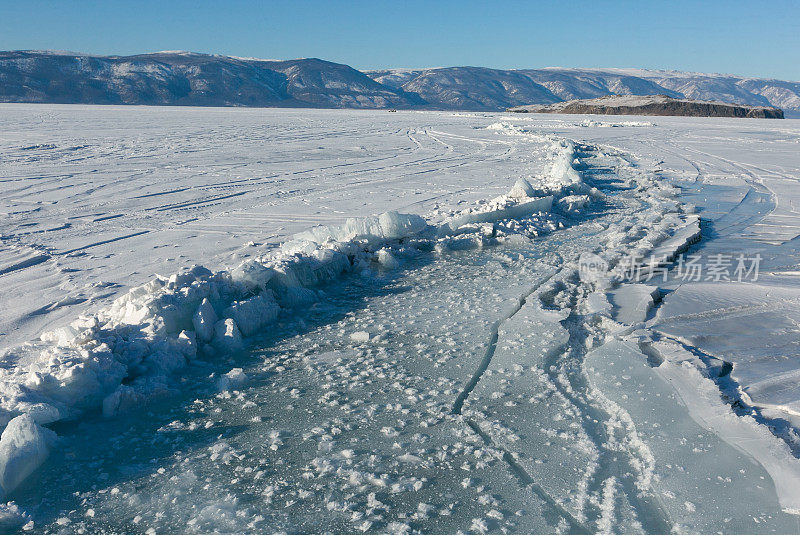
{"x": 372, "y": 322}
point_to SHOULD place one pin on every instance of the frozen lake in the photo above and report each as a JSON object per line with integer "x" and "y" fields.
{"x": 455, "y": 372}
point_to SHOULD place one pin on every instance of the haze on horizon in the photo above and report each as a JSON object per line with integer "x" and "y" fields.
{"x": 715, "y": 37}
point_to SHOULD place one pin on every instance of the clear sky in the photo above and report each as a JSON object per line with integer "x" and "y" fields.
{"x": 749, "y": 38}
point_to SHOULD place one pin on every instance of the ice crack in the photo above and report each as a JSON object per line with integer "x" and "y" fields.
{"x": 492, "y": 345}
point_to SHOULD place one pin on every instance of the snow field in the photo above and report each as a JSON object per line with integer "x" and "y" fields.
{"x": 96, "y": 200}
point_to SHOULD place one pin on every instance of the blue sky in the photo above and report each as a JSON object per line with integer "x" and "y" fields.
{"x": 748, "y": 38}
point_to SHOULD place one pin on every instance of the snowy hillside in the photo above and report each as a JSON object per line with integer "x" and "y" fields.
{"x": 183, "y": 78}
{"x": 327, "y": 321}
{"x": 447, "y": 87}
{"x": 468, "y": 88}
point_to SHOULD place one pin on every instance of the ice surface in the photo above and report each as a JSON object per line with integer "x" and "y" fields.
{"x": 727, "y": 490}
{"x": 632, "y": 302}
{"x": 753, "y": 326}
{"x": 410, "y": 371}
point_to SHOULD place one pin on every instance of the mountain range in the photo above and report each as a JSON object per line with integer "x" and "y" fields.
{"x": 192, "y": 79}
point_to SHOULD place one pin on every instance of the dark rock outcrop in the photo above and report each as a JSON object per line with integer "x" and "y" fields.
{"x": 653, "y": 105}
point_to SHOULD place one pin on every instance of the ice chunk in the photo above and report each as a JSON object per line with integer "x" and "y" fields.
{"x": 389, "y": 225}
{"x": 597, "y": 303}
{"x": 572, "y": 204}
{"x": 295, "y": 296}
{"x": 315, "y": 267}
{"x": 395, "y": 225}
{"x": 12, "y": 517}
{"x": 231, "y": 380}
{"x": 114, "y": 403}
{"x": 360, "y": 336}
{"x": 127, "y": 398}
{"x": 498, "y": 210}
{"x": 24, "y": 445}
{"x": 204, "y": 320}
{"x": 522, "y": 189}
{"x": 42, "y": 413}
{"x": 632, "y": 302}
{"x": 227, "y": 336}
{"x": 251, "y": 315}
{"x": 61, "y": 337}
{"x": 682, "y": 237}
{"x": 387, "y": 259}
{"x": 252, "y": 275}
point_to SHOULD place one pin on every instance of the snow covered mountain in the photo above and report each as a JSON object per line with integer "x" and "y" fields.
{"x": 185, "y": 78}
{"x": 468, "y": 88}
{"x": 449, "y": 87}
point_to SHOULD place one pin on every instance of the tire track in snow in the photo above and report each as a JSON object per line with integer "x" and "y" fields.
{"x": 31, "y": 261}
{"x": 757, "y": 188}
{"x": 104, "y": 242}
{"x": 565, "y": 371}
{"x": 564, "y": 367}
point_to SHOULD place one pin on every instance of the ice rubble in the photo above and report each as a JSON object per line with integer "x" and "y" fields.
{"x": 125, "y": 354}
{"x": 504, "y": 207}
{"x": 562, "y": 184}
{"x": 563, "y": 178}
{"x": 12, "y": 518}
